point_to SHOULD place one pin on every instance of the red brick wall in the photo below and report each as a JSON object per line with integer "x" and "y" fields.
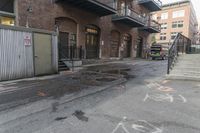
{"x": 46, "y": 11}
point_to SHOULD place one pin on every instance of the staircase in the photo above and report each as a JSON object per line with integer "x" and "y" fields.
{"x": 186, "y": 68}
{"x": 62, "y": 66}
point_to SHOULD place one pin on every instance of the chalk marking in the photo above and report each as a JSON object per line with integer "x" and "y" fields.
{"x": 146, "y": 97}
{"x": 138, "y": 127}
{"x": 153, "y": 85}
{"x": 142, "y": 128}
{"x": 160, "y": 87}
{"x": 165, "y": 89}
{"x": 183, "y": 98}
{"x": 159, "y": 97}
{"x": 121, "y": 124}
{"x": 165, "y": 81}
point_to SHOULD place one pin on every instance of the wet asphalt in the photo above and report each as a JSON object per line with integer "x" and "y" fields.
{"x": 145, "y": 103}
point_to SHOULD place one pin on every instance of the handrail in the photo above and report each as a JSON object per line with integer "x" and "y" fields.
{"x": 109, "y": 3}
{"x": 158, "y": 2}
{"x": 71, "y": 53}
{"x": 128, "y": 12}
{"x": 153, "y": 23}
{"x": 180, "y": 44}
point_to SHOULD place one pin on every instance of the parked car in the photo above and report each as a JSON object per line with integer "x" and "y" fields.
{"x": 158, "y": 52}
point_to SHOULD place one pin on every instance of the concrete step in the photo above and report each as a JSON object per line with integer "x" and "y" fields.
{"x": 187, "y": 65}
{"x": 186, "y": 74}
{"x": 76, "y": 63}
{"x": 183, "y": 77}
{"x": 193, "y": 70}
{"x": 187, "y": 68}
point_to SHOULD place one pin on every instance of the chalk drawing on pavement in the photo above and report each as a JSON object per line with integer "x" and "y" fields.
{"x": 164, "y": 98}
{"x": 146, "y": 127}
{"x": 140, "y": 126}
{"x": 160, "y": 87}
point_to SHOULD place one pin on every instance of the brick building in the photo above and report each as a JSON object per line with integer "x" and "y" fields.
{"x": 103, "y": 28}
{"x": 177, "y": 17}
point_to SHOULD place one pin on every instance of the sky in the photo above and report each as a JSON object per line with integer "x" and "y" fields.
{"x": 196, "y": 4}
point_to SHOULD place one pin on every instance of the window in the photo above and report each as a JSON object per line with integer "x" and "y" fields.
{"x": 164, "y": 26}
{"x": 177, "y": 14}
{"x": 173, "y": 35}
{"x": 164, "y": 15}
{"x": 7, "y": 16}
{"x": 177, "y": 24}
{"x": 163, "y": 36}
{"x": 7, "y": 20}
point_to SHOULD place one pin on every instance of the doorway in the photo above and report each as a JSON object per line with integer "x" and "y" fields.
{"x": 127, "y": 45}
{"x": 43, "y": 54}
{"x": 92, "y": 42}
{"x": 139, "y": 47}
{"x": 115, "y": 42}
{"x": 63, "y": 45}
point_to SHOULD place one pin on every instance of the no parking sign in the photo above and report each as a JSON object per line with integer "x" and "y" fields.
{"x": 27, "y": 39}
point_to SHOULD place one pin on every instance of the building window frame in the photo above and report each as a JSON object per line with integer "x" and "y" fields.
{"x": 163, "y": 36}
{"x": 174, "y": 34}
{"x": 9, "y": 16}
{"x": 177, "y": 24}
{"x": 164, "y": 26}
{"x": 164, "y": 15}
{"x": 178, "y": 13}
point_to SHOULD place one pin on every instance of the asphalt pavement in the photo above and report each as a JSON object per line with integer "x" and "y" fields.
{"x": 143, "y": 103}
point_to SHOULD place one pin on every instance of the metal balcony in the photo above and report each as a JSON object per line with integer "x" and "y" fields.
{"x": 129, "y": 17}
{"x": 152, "y": 5}
{"x": 98, "y": 7}
{"x": 152, "y": 26}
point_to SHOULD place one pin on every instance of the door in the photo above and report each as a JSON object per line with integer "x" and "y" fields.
{"x": 127, "y": 46}
{"x": 115, "y": 42}
{"x": 92, "y": 43}
{"x": 42, "y": 54}
{"x": 139, "y": 47}
{"x": 63, "y": 45}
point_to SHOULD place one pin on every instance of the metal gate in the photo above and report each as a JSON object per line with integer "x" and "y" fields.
{"x": 26, "y": 52}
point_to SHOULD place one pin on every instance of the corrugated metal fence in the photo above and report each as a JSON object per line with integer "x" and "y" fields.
{"x": 17, "y": 52}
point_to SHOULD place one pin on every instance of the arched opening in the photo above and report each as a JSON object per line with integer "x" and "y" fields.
{"x": 67, "y": 36}
{"x": 127, "y": 46}
{"x": 92, "y": 41}
{"x": 139, "y": 46}
{"x": 115, "y": 43}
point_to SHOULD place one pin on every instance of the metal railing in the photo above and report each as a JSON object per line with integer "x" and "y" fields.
{"x": 128, "y": 12}
{"x": 154, "y": 24}
{"x": 71, "y": 53}
{"x": 181, "y": 44}
{"x": 109, "y": 3}
{"x": 158, "y": 2}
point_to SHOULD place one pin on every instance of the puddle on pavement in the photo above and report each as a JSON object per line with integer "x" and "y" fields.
{"x": 80, "y": 115}
{"x": 124, "y": 72}
{"x": 105, "y": 79}
{"x": 60, "y": 118}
